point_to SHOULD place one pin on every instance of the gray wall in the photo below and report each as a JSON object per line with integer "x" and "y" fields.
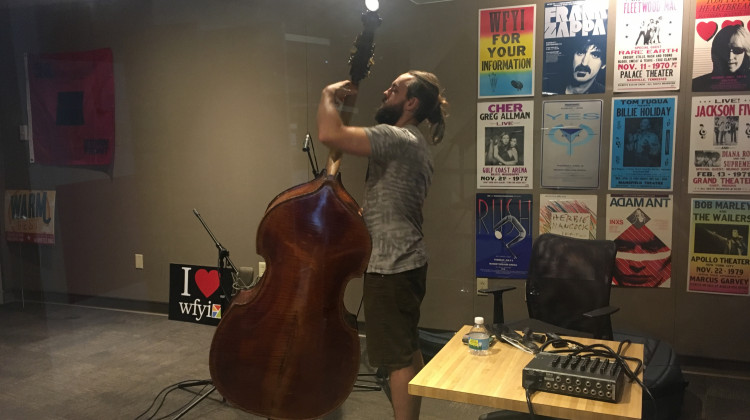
{"x": 213, "y": 100}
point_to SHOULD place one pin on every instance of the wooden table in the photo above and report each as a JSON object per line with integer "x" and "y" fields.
{"x": 495, "y": 381}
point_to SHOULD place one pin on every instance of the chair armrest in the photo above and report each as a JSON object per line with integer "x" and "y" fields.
{"x": 605, "y": 311}
{"x": 497, "y": 307}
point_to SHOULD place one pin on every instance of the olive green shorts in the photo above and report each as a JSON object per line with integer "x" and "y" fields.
{"x": 392, "y": 304}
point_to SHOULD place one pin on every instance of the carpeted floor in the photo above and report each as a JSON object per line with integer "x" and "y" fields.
{"x": 76, "y": 362}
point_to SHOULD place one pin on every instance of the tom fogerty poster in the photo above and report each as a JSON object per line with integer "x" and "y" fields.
{"x": 647, "y": 45}
{"x": 568, "y": 215}
{"x": 720, "y": 145}
{"x": 718, "y": 260}
{"x": 642, "y": 143}
{"x": 575, "y": 47}
{"x": 641, "y": 226}
{"x": 506, "y": 51}
{"x": 503, "y": 235}
{"x": 721, "y": 55}
{"x": 505, "y": 144}
{"x": 571, "y": 139}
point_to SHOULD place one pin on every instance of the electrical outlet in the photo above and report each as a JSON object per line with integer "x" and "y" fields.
{"x": 261, "y": 268}
{"x": 139, "y": 261}
{"x": 482, "y": 283}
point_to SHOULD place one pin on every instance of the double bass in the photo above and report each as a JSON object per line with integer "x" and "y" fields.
{"x": 288, "y": 348}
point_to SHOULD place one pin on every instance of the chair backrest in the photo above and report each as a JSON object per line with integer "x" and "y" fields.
{"x": 568, "y": 277}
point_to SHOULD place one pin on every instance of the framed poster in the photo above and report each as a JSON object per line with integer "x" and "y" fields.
{"x": 505, "y": 145}
{"x": 503, "y": 235}
{"x": 568, "y": 215}
{"x": 571, "y": 142}
{"x": 506, "y": 51}
{"x": 643, "y": 136}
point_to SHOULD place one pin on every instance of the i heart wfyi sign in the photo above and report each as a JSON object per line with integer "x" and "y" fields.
{"x": 197, "y": 293}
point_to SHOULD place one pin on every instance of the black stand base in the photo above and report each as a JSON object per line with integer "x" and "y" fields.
{"x": 209, "y": 391}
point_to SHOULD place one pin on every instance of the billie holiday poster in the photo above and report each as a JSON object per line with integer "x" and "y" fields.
{"x": 505, "y": 144}
{"x": 568, "y": 215}
{"x": 721, "y": 54}
{"x": 648, "y": 43}
{"x": 575, "y": 47}
{"x": 571, "y": 139}
{"x": 643, "y": 143}
{"x": 641, "y": 226}
{"x": 718, "y": 261}
{"x": 720, "y": 145}
{"x": 503, "y": 235}
{"x": 506, "y": 51}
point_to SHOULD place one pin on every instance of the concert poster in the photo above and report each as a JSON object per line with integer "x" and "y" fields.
{"x": 506, "y": 51}
{"x": 641, "y": 226}
{"x": 643, "y": 143}
{"x": 721, "y": 57}
{"x": 720, "y": 145}
{"x": 571, "y": 142}
{"x": 718, "y": 261}
{"x": 505, "y": 145}
{"x": 575, "y": 47}
{"x": 648, "y": 42}
{"x": 503, "y": 235}
{"x": 568, "y": 215}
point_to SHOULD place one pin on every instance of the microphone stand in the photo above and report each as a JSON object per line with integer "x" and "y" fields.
{"x": 306, "y": 148}
{"x": 224, "y": 260}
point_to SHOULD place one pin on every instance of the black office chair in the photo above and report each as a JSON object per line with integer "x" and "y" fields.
{"x": 567, "y": 290}
{"x": 568, "y": 286}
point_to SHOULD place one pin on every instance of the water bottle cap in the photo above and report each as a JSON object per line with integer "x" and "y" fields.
{"x": 478, "y": 320}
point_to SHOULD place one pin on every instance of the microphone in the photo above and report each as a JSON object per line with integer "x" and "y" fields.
{"x": 306, "y": 146}
{"x": 246, "y": 277}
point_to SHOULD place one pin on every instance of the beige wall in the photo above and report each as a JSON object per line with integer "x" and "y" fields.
{"x": 213, "y": 101}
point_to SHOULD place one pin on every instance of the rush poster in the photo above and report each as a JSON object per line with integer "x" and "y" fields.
{"x": 575, "y": 47}
{"x": 641, "y": 226}
{"x": 720, "y": 145}
{"x": 503, "y": 235}
{"x": 198, "y": 294}
{"x": 718, "y": 260}
{"x": 643, "y": 137}
{"x": 721, "y": 54}
{"x": 505, "y": 146}
{"x": 71, "y": 108}
{"x": 506, "y": 51}
{"x": 648, "y": 42}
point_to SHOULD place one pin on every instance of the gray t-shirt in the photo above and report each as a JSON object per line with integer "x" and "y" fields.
{"x": 398, "y": 177}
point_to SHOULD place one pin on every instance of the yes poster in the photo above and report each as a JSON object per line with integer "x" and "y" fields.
{"x": 505, "y": 144}
{"x": 506, "y": 51}
{"x": 641, "y": 226}
{"x": 571, "y": 139}
{"x": 647, "y": 45}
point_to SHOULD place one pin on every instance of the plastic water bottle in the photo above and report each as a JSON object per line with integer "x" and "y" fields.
{"x": 479, "y": 338}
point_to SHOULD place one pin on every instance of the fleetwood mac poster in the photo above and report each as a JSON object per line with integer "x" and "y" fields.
{"x": 647, "y": 45}
{"x": 503, "y": 235}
